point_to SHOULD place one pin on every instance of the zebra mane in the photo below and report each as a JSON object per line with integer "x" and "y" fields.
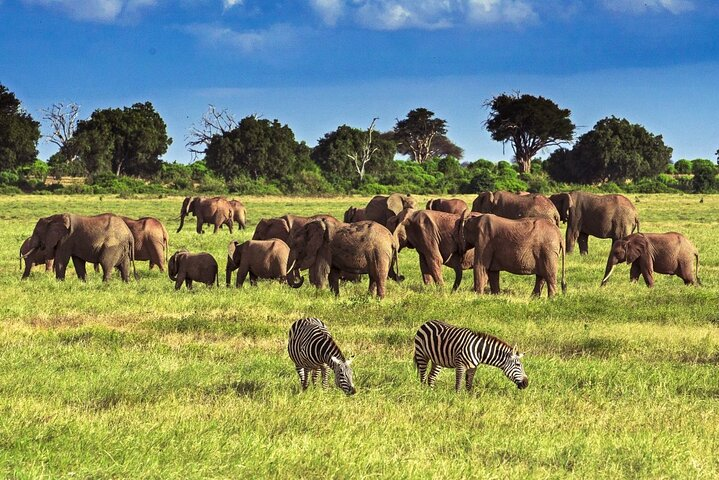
{"x": 488, "y": 336}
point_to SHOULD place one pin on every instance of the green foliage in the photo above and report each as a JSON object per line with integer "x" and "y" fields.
{"x": 683, "y": 166}
{"x": 416, "y": 134}
{"x": 614, "y": 150}
{"x": 529, "y": 123}
{"x": 650, "y": 185}
{"x": 19, "y": 133}
{"x": 705, "y": 173}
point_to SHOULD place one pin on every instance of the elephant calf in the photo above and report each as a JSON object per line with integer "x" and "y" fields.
{"x": 669, "y": 253}
{"x": 188, "y": 267}
{"x": 259, "y": 258}
{"x": 32, "y": 257}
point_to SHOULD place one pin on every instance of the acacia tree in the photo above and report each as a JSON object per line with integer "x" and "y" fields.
{"x": 529, "y": 123}
{"x": 414, "y": 135}
{"x": 614, "y": 150}
{"x": 213, "y": 122}
{"x": 19, "y": 133}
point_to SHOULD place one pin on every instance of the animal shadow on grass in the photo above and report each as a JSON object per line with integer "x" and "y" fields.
{"x": 241, "y": 388}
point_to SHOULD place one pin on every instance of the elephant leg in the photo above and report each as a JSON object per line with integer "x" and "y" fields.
{"x": 538, "y": 284}
{"x": 188, "y": 283}
{"x": 435, "y": 268}
{"x": 686, "y": 273}
{"x": 494, "y": 282}
{"x": 480, "y": 279}
{"x": 457, "y": 278}
{"x": 253, "y": 279}
{"x": 216, "y": 227}
{"x": 49, "y": 265}
{"x": 635, "y": 272}
{"x": 583, "y": 241}
{"x": 241, "y": 275}
{"x": 230, "y": 224}
{"x": 334, "y": 279}
{"x": 96, "y": 267}
{"x": 648, "y": 277}
{"x": 433, "y": 372}
{"x": 157, "y": 256}
{"x": 424, "y": 268}
{"x": 124, "y": 268}
{"x": 381, "y": 286}
{"x": 200, "y": 223}
{"x": 80, "y": 268}
{"x": 179, "y": 280}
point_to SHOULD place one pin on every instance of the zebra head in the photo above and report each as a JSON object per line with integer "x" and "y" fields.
{"x": 514, "y": 370}
{"x": 343, "y": 375}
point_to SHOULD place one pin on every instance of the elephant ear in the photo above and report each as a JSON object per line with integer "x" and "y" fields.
{"x": 349, "y": 214}
{"x": 315, "y": 236}
{"x": 58, "y": 228}
{"x": 408, "y": 201}
{"x": 461, "y": 241}
{"x": 637, "y": 246}
{"x": 395, "y": 203}
{"x": 232, "y": 248}
{"x": 289, "y": 221}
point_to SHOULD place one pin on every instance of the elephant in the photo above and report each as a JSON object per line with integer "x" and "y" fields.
{"x": 239, "y": 213}
{"x": 453, "y": 205}
{"x": 526, "y": 246}
{"x": 670, "y": 253}
{"x": 259, "y": 258}
{"x": 327, "y": 250}
{"x": 150, "y": 240}
{"x": 187, "y": 267}
{"x": 513, "y": 205}
{"x": 602, "y": 216}
{"x": 354, "y": 214}
{"x": 281, "y": 227}
{"x": 103, "y": 239}
{"x": 33, "y": 257}
{"x": 216, "y": 211}
{"x": 381, "y": 208}
{"x": 438, "y": 238}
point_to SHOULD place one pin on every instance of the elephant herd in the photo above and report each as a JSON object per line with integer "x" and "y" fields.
{"x": 503, "y": 231}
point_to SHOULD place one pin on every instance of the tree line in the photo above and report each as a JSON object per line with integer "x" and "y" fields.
{"x": 121, "y": 148}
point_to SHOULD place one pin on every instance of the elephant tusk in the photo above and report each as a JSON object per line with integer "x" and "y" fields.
{"x": 604, "y": 281}
{"x": 25, "y": 255}
{"x": 292, "y": 267}
{"x": 449, "y": 258}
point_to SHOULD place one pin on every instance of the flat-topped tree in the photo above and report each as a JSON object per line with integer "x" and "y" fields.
{"x": 529, "y": 123}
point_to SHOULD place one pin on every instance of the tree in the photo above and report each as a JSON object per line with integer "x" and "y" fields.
{"x": 257, "y": 148}
{"x": 340, "y": 154}
{"x": 704, "y": 179}
{"x": 126, "y": 141}
{"x": 614, "y": 150}
{"x": 213, "y": 122}
{"x": 683, "y": 166}
{"x": 19, "y": 133}
{"x": 416, "y": 133}
{"x": 529, "y": 123}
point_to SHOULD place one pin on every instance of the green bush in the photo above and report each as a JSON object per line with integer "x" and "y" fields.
{"x": 650, "y": 185}
{"x": 609, "y": 187}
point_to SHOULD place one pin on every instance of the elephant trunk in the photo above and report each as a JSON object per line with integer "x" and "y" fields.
{"x": 183, "y": 213}
{"x": 294, "y": 279}
{"x": 608, "y": 272}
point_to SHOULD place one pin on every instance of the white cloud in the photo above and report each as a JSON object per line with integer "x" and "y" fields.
{"x": 642, "y": 6}
{"x": 329, "y": 10}
{"x": 496, "y": 11}
{"x": 275, "y": 37}
{"x": 96, "y": 10}
{"x": 231, "y": 3}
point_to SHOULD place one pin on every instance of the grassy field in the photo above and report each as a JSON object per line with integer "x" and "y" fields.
{"x": 140, "y": 381}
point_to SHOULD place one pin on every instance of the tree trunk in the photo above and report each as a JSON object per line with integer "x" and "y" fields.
{"x": 525, "y": 164}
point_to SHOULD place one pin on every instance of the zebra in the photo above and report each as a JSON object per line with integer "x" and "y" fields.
{"x": 313, "y": 350}
{"x": 462, "y": 349}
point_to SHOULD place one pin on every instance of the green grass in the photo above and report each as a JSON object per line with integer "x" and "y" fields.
{"x": 140, "y": 381}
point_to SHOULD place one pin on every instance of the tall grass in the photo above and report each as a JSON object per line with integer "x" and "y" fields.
{"x": 139, "y": 380}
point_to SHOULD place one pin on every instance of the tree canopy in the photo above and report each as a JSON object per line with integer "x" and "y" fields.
{"x": 421, "y": 136}
{"x": 257, "y": 148}
{"x": 126, "y": 141}
{"x": 334, "y": 152}
{"x": 614, "y": 150}
{"x": 529, "y": 123}
{"x": 19, "y": 133}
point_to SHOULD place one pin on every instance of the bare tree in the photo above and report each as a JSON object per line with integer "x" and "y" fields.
{"x": 213, "y": 122}
{"x": 362, "y": 157}
{"x": 63, "y": 121}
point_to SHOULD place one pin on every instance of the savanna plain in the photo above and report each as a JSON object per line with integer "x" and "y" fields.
{"x": 138, "y": 380}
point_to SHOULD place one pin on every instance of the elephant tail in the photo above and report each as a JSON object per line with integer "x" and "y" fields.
{"x": 132, "y": 258}
{"x": 696, "y": 267}
{"x": 564, "y": 282}
{"x": 395, "y": 264}
{"x": 636, "y": 225}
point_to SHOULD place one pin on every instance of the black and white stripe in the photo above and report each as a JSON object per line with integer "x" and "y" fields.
{"x": 462, "y": 349}
{"x": 314, "y": 351}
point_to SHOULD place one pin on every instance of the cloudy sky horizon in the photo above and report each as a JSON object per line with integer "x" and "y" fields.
{"x": 318, "y": 64}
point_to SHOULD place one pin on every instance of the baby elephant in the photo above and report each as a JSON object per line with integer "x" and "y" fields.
{"x": 670, "y": 253}
{"x": 259, "y": 258}
{"x": 188, "y": 267}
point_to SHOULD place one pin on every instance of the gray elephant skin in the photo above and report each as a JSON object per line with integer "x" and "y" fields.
{"x": 33, "y": 257}
{"x": 327, "y": 250}
{"x": 216, "y": 211}
{"x": 438, "y": 238}
{"x": 265, "y": 259}
{"x": 601, "y": 216}
{"x": 513, "y": 205}
{"x": 354, "y": 214}
{"x": 527, "y": 246}
{"x": 281, "y": 227}
{"x": 102, "y": 239}
{"x": 239, "y": 213}
{"x": 382, "y": 208}
{"x": 448, "y": 205}
{"x": 670, "y": 253}
{"x": 150, "y": 240}
{"x": 187, "y": 267}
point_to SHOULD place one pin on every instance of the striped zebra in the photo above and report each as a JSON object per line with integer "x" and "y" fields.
{"x": 462, "y": 349}
{"x": 314, "y": 351}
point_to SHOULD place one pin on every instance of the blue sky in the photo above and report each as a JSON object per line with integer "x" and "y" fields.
{"x": 318, "y": 64}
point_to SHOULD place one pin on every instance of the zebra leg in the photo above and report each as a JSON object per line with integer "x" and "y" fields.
{"x": 325, "y": 376}
{"x": 433, "y": 372}
{"x": 469, "y": 377}
{"x": 303, "y": 377}
{"x": 421, "y": 363}
{"x": 315, "y": 375}
{"x": 459, "y": 373}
